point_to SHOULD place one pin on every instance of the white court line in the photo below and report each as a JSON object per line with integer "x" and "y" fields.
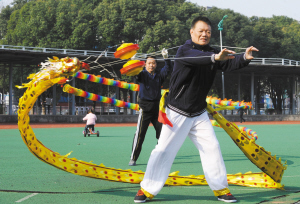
{"x": 292, "y": 176}
{"x": 248, "y": 189}
{"x": 252, "y": 189}
{"x": 25, "y": 198}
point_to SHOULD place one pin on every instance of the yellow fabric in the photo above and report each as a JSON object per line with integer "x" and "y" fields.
{"x": 221, "y": 192}
{"x": 256, "y": 154}
{"x": 149, "y": 195}
{"x": 219, "y": 108}
{"x": 41, "y": 82}
{"x": 162, "y": 102}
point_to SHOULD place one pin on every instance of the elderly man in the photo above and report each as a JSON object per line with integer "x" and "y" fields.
{"x": 195, "y": 67}
{"x": 150, "y": 81}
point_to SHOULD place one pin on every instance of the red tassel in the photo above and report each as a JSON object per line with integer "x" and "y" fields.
{"x": 162, "y": 118}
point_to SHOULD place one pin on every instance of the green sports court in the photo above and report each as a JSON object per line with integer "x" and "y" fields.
{"x": 26, "y": 179}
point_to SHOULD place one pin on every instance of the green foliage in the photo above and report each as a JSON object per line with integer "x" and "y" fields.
{"x": 4, "y": 17}
{"x": 153, "y": 24}
{"x": 51, "y": 23}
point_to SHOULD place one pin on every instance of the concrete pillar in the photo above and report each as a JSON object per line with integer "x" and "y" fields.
{"x": 73, "y": 99}
{"x": 252, "y": 91}
{"x": 10, "y": 89}
{"x": 85, "y": 100}
{"x": 223, "y": 89}
{"x": 223, "y": 85}
{"x": 117, "y": 97}
{"x": 3, "y": 90}
{"x": 293, "y": 97}
{"x": 21, "y": 73}
{"x": 37, "y": 106}
{"x": 54, "y": 100}
{"x": 239, "y": 87}
{"x": 101, "y": 104}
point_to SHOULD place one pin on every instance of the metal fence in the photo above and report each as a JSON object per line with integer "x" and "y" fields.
{"x": 259, "y": 61}
{"x": 64, "y": 110}
{"x": 111, "y": 110}
{"x": 275, "y": 61}
{"x": 56, "y": 50}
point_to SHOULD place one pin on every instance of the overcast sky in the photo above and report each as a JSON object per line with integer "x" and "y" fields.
{"x": 260, "y": 8}
{"x": 5, "y": 2}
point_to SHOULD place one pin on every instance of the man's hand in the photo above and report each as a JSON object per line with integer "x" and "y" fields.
{"x": 248, "y": 53}
{"x": 224, "y": 55}
{"x": 164, "y": 53}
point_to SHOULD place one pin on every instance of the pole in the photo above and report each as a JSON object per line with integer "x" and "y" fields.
{"x": 252, "y": 92}
{"x": 220, "y": 28}
{"x": 3, "y": 90}
{"x": 54, "y": 100}
{"x": 73, "y": 99}
{"x": 68, "y": 105}
{"x": 223, "y": 80}
{"x": 117, "y": 97}
{"x": 239, "y": 87}
{"x": 10, "y": 88}
{"x": 221, "y": 40}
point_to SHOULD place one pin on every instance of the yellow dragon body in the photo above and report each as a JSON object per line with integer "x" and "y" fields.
{"x": 43, "y": 80}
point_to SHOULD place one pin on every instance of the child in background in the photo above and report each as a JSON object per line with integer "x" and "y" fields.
{"x": 90, "y": 121}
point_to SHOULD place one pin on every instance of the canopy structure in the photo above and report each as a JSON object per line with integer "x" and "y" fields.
{"x": 18, "y": 57}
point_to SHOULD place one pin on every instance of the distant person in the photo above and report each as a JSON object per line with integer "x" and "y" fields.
{"x": 90, "y": 119}
{"x": 241, "y": 115}
{"x": 195, "y": 68}
{"x": 150, "y": 81}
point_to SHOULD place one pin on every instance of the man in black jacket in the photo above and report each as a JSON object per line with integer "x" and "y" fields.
{"x": 150, "y": 81}
{"x": 195, "y": 67}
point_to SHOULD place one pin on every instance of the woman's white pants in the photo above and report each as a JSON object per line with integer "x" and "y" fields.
{"x": 200, "y": 131}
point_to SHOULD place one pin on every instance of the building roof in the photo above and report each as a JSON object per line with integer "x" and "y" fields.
{"x": 35, "y": 55}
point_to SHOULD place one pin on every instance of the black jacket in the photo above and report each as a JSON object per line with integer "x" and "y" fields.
{"x": 150, "y": 85}
{"x": 192, "y": 78}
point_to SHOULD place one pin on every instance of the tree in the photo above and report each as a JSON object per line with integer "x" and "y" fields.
{"x": 17, "y": 4}
{"x": 4, "y": 17}
{"x": 141, "y": 21}
{"x": 153, "y": 24}
{"x": 51, "y": 23}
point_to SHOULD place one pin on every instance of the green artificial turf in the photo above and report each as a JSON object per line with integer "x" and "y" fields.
{"x": 22, "y": 174}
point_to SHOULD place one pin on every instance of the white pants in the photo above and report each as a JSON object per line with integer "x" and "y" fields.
{"x": 200, "y": 131}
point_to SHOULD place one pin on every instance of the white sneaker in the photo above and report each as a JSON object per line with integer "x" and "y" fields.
{"x": 132, "y": 163}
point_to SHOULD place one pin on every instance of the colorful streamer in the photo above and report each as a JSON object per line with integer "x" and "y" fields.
{"x": 94, "y": 97}
{"x": 106, "y": 81}
{"x": 215, "y": 123}
{"x": 250, "y": 133}
{"x": 228, "y": 103}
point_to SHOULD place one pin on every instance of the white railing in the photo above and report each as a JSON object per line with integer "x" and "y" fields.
{"x": 56, "y": 50}
{"x": 259, "y": 61}
{"x": 275, "y": 61}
